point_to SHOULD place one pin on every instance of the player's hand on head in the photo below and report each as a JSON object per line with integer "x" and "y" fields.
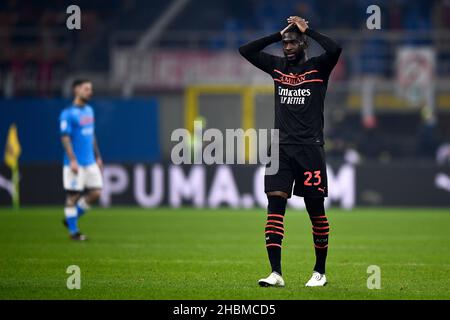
{"x": 296, "y": 20}
{"x": 301, "y": 23}
{"x": 74, "y": 166}
{"x": 287, "y": 28}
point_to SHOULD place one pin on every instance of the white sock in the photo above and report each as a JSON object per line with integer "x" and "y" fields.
{"x": 70, "y": 212}
{"x": 83, "y": 204}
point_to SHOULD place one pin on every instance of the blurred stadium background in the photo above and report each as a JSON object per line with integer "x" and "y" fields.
{"x": 158, "y": 65}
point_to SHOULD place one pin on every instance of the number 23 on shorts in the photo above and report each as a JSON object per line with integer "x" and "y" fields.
{"x": 314, "y": 176}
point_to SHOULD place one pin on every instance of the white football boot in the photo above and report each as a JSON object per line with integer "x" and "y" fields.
{"x": 317, "y": 280}
{"x": 273, "y": 280}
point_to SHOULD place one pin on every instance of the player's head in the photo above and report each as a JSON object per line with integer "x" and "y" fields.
{"x": 82, "y": 89}
{"x": 294, "y": 44}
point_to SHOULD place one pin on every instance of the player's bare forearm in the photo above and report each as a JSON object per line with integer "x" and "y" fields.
{"x": 98, "y": 156}
{"x": 67, "y": 145}
{"x": 96, "y": 149}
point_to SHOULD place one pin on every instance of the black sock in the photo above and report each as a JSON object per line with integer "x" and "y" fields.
{"x": 274, "y": 231}
{"x": 321, "y": 230}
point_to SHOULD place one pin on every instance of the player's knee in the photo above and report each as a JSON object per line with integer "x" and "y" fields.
{"x": 278, "y": 193}
{"x": 94, "y": 195}
{"x": 315, "y": 206}
{"x": 71, "y": 199}
{"x": 276, "y": 203}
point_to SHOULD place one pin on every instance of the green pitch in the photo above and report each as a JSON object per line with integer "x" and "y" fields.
{"x": 220, "y": 254}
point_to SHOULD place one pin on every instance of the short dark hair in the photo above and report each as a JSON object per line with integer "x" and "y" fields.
{"x": 78, "y": 82}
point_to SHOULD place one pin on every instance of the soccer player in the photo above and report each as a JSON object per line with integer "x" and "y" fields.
{"x": 300, "y": 87}
{"x": 82, "y": 177}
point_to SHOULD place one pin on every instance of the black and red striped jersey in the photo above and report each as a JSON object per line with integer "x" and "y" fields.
{"x": 299, "y": 88}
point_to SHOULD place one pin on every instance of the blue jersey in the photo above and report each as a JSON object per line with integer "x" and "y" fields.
{"x": 78, "y": 123}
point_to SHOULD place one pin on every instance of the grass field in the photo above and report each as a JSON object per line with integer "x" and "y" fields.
{"x": 220, "y": 254}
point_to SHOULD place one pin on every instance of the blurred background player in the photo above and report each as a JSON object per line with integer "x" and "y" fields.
{"x": 82, "y": 175}
{"x": 300, "y": 88}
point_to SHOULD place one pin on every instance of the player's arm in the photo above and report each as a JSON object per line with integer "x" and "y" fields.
{"x": 252, "y": 51}
{"x": 65, "y": 125}
{"x": 67, "y": 145}
{"x": 332, "y": 48}
{"x": 98, "y": 156}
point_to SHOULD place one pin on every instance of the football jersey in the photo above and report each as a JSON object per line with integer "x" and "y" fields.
{"x": 299, "y": 88}
{"x": 77, "y": 122}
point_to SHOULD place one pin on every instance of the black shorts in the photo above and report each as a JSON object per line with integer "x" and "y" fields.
{"x": 303, "y": 164}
